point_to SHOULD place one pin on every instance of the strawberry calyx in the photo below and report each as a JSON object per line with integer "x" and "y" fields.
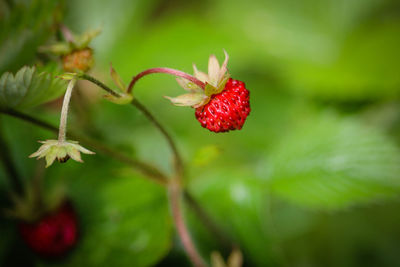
{"x": 215, "y": 81}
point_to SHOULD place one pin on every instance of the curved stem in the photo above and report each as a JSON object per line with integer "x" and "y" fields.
{"x": 177, "y": 73}
{"x": 178, "y": 165}
{"x": 64, "y": 112}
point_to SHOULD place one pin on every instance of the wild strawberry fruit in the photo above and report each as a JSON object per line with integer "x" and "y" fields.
{"x": 227, "y": 110}
{"x": 223, "y": 104}
{"x": 54, "y": 234}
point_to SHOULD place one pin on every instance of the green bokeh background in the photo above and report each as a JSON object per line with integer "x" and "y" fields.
{"x": 312, "y": 179}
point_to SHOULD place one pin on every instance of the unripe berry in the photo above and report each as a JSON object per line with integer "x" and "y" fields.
{"x": 78, "y": 60}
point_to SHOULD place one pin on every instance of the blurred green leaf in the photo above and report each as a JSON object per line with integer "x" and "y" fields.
{"x": 239, "y": 204}
{"x": 24, "y": 26}
{"x": 28, "y": 88}
{"x": 331, "y": 163}
{"x": 124, "y": 222}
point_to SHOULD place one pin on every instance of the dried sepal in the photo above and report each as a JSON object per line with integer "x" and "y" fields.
{"x": 188, "y": 85}
{"x": 117, "y": 79}
{"x": 235, "y": 259}
{"x": 213, "y": 70}
{"x": 200, "y": 75}
{"x": 62, "y": 151}
{"x": 191, "y": 99}
{"x": 214, "y": 81}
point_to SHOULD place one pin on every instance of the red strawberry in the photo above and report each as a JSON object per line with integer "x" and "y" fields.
{"x": 54, "y": 234}
{"x": 221, "y": 103}
{"x": 227, "y": 110}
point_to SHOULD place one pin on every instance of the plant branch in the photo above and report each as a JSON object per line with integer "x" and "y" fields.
{"x": 178, "y": 165}
{"x": 68, "y": 36}
{"x": 177, "y": 73}
{"x": 64, "y": 111}
{"x": 99, "y": 84}
{"x": 146, "y": 169}
{"x": 187, "y": 242}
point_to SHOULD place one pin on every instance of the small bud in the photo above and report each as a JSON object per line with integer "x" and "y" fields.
{"x": 78, "y": 60}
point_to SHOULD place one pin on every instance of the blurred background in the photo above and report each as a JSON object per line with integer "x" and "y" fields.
{"x": 312, "y": 179}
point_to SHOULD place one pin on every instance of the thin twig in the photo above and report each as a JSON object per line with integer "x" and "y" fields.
{"x": 178, "y": 165}
{"x": 145, "y": 168}
{"x": 173, "y": 72}
{"x": 64, "y": 112}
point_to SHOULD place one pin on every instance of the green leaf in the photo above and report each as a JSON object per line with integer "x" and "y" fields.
{"x": 25, "y": 27}
{"x": 332, "y": 163}
{"x": 238, "y": 204}
{"x": 124, "y": 222}
{"x": 28, "y": 88}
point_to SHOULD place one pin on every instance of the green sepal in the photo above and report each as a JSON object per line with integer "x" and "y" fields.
{"x": 68, "y": 76}
{"x": 60, "y": 48}
{"x": 117, "y": 79}
{"x": 123, "y": 99}
{"x": 83, "y": 40}
{"x": 210, "y": 90}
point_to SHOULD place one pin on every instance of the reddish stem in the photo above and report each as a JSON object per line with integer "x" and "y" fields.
{"x": 177, "y": 73}
{"x": 183, "y": 232}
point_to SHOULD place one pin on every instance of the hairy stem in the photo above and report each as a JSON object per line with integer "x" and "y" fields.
{"x": 187, "y": 242}
{"x": 99, "y": 84}
{"x": 177, "y": 73}
{"x": 64, "y": 112}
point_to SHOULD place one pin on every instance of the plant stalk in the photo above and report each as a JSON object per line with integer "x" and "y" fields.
{"x": 187, "y": 242}
{"x": 64, "y": 112}
{"x": 177, "y": 73}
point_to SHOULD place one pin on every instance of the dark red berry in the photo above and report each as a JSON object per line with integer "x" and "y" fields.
{"x": 54, "y": 234}
{"x": 227, "y": 110}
